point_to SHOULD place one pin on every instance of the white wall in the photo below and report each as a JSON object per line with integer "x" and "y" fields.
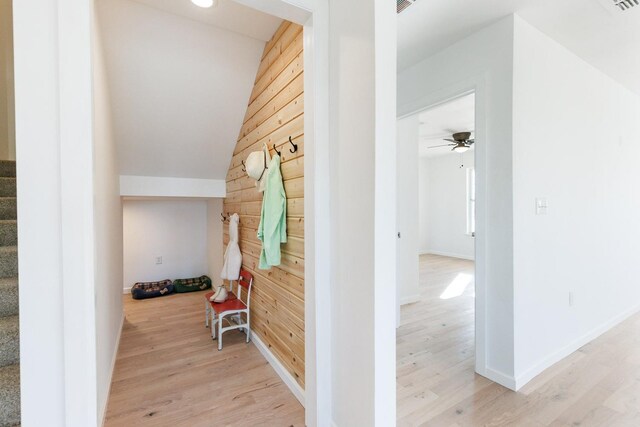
{"x": 56, "y": 212}
{"x": 175, "y": 230}
{"x": 215, "y": 250}
{"x": 576, "y": 143}
{"x": 39, "y": 214}
{"x": 7, "y": 108}
{"x": 445, "y": 76}
{"x": 443, "y": 201}
{"x": 108, "y": 229}
{"x": 407, "y": 161}
{"x": 362, "y": 148}
{"x": 179, "y": 89}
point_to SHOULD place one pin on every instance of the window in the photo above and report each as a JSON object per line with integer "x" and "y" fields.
{"x": 471, "y": 201}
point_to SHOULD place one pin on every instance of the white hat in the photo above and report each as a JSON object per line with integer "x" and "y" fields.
{"x": 256, "y": 166}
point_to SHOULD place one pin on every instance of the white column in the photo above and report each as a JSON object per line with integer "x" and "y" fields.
{"x": 362, "y": 47}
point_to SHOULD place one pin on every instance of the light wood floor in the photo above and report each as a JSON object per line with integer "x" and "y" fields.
{"x": 599, "y": 385}
{"x": 169, "y": 372}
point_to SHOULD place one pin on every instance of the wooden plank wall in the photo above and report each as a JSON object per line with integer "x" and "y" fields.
{"x": 275, "y": 112}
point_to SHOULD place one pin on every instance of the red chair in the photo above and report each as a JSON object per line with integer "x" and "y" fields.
{"x": 232, "y": 309}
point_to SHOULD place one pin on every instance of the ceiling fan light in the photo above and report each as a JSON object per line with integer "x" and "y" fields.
{"x": 461, "y": 148}
{"x": 205, "y": 3}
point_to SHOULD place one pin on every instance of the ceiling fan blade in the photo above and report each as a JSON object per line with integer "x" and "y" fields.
{"x": 471, "y": 141}
{"x": 438, "y": 146}
{"x": 451, "y": 140}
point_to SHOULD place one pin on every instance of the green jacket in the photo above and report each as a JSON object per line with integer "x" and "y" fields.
{"x": 272, "y": 230}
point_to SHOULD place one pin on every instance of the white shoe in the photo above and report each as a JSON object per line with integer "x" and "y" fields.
{"x": 220, "y": 295}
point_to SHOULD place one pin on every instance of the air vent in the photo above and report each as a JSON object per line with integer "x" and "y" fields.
{"x": 620, "y": 4}
{"x": 403, "y": 4}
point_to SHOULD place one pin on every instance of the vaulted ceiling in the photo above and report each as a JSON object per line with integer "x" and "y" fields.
{"x": 179, "y": 80}
{"x": 596, "y": 30}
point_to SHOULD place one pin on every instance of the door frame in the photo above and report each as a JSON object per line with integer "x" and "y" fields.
{"x": 444, "y": 95}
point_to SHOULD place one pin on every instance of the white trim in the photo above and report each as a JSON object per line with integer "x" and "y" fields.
{"x": 573, "y": 346}
{"x": 156, "y": 186}
{"x": 475, "y": 85}
{"x": 410, "y": 299}
{"x": 297, "y": 13}
{"x": 318, "y": 229}
{"x": 282, "y": 372}
{"x": 498, "y": 377}
{"x": 448, "y": 254}
{"x": 75, "y": 118}
{"x": 103, "y": 411}
{"x": 126, "y": 290}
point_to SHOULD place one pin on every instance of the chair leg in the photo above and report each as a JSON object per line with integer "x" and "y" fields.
{"x": 206, "y": 314}
{"x": 213, "y": 325}
{"x": 220, "y": 333}
{"x": 248, "y": 328}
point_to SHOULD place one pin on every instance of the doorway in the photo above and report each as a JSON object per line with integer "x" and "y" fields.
{"x": 436, "y": 339}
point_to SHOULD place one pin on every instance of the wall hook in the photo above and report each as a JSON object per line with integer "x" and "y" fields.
{"x": 295, "y": 146}
{"x": 244, "y": 167}
{"x": 276, "y": 150}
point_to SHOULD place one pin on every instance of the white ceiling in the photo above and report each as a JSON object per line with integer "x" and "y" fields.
{"x": 595, "y": 30}
{"x": 443, "y": 120}
{"x": 179, "y": 89}
{"x": 228, "y": 15}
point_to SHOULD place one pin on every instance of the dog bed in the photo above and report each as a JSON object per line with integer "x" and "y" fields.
{"x": 143, "y": 290}
{"x": 191, "y": 285}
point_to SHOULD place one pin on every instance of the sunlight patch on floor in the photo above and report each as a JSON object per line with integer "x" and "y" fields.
{"x": 457, "y": 286}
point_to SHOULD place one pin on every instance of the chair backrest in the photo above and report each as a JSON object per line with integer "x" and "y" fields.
{"x": 246, "y": 281}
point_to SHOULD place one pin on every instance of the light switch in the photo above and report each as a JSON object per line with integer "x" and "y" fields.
{"x": 542, "y": 206}
{"x": 159, "y": 260}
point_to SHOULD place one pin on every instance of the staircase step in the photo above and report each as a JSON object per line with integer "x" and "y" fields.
{"x": 8, "y": 209}
{"x": 9, "y": 341}
{"x": 8, "y": 232}
{"x": 7, "y": 187}
{"x": 8, "y": 297}
{"x": 8, "y": 168}
{"x": 10, "y": 395}
{"x": 8, "y": 261}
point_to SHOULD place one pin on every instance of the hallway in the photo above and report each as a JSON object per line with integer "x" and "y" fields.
{"x": 597, "y": 385}
{"x": 169, "y": 373}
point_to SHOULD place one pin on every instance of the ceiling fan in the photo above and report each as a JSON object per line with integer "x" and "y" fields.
{"x": 460, "y": 142}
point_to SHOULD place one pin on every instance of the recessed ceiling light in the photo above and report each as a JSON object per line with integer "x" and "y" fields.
{"x": 205, "y": 3}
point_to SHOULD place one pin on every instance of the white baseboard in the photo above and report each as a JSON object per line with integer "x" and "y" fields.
{"x": 573, "y": 346}
{"x": 126, "y": 290}
{"x": 103, "y": 411}
{"x": 410, "y": 299}
{"x": 448, "y": 254}
{"x": 499, "y": 377}
{"x": 282, "y": 372}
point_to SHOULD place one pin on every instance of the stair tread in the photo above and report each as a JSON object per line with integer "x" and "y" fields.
{"x": 9, "y": 297}
{"x": 9, "y": 340}
{"x": 9, "y": 325}
{"x": 10, "y": 395}
{"x": 8, "y": 321}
